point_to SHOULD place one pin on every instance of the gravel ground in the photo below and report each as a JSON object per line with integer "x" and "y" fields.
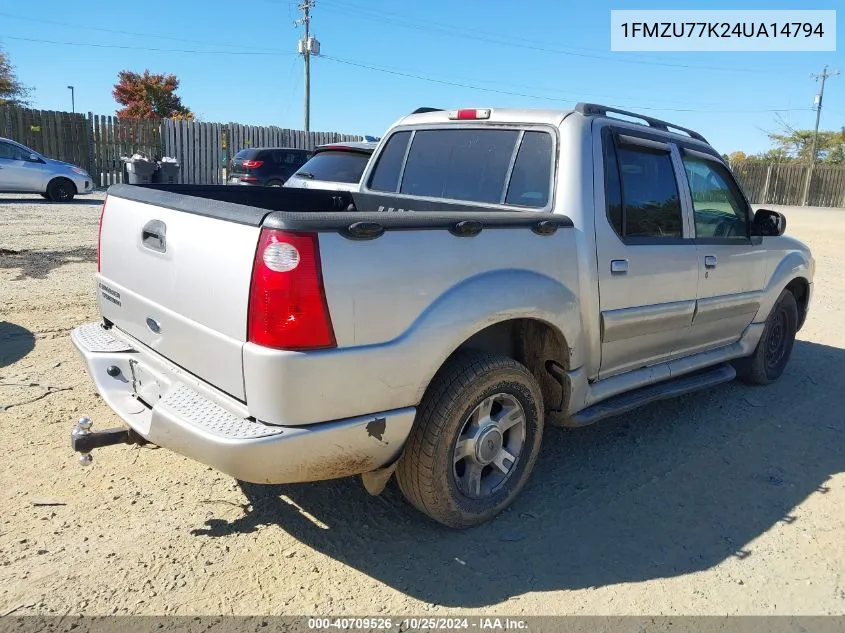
{"x": 729, "y": 501}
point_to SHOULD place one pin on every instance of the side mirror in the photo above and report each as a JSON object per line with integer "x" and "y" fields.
{"x": 35, "y": 158}
{"x": 768, "y": 223}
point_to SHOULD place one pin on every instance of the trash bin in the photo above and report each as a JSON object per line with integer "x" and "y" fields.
{"x": 167, "y": 172}
{"x": 138, "y": 170}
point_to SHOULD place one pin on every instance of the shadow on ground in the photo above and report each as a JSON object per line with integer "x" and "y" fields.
{"x": 39, "y": 200}
{"x": 15, "y": 343}
{"x": 675, "y": 488}
{"x": 39, "y": 264}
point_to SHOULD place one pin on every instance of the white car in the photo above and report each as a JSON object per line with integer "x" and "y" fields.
{"x": 23, "y": 170}
{"x": 337, "y": 167}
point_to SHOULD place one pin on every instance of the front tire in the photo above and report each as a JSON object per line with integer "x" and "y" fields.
{"x": 475, "y": 440}
{"x": 61, "y": 190}
{"x": 772, "y": 353}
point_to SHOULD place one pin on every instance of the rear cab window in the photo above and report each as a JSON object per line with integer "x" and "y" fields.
{"x": 508, "y": 166}
{"x": 335, "y": 166}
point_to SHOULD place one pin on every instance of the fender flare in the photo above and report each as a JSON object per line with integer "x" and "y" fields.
{"x": 794, "y": 266}
{"x": 487, "y": 299}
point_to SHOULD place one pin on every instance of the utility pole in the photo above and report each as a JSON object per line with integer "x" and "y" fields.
{"x": 307, "y": 46}
{"x": 72, "y": 100}
{"x": 819, "y": 98}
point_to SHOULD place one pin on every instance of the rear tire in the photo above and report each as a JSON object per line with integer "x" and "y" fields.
{"x": 475, "y": 440}
{"x": 44, "y": 195}
{"x": 61, "y": 190}
{"x": 274, "y": 183}
{"x": 772, "y": 353}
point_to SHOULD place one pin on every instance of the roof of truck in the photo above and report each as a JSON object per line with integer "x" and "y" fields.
{"x": 497, "y": 115}
{"x": 429, "y": 116}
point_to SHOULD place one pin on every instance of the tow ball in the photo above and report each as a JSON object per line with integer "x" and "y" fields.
{"x": 83, "y": 440}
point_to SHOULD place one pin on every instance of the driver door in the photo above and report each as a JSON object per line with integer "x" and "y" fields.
{"x": 732, "y": 268}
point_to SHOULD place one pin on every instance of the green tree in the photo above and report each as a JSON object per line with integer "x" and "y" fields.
{"x": 797, "y": 145}
{"x": 149, "y": 96}
{"x": 12, "y": 91}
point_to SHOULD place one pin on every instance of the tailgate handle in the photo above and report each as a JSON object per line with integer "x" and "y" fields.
{"x": 153, "y": 235}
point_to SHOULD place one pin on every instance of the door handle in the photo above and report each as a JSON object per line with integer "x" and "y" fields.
{"x": 710, "y": 261}
{"x": 619, "y": 266}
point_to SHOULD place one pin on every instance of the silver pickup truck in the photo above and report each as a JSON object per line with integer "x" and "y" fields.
{"x": 498, "y": 272}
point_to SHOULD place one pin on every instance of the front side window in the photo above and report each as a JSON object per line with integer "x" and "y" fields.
{"x": 717, "y": 204}
{"x": 12, "y": 152}
{"x": 642, "y": 192}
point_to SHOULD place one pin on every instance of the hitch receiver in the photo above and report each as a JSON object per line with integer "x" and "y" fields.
{"x": 83, "y": 440}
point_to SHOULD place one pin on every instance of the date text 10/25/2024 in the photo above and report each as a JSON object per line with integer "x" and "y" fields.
{"x": 414, "y": 624}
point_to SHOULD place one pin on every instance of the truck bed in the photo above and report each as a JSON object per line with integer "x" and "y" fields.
{"x": 390, "y": 275}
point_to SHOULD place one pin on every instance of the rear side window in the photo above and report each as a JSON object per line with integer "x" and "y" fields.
{"x": 532, "y": 171}
{"x": 335, "y": 166}
{"x": 642, "y": 191}
{"x": 485, "y": 165}
{"x": 386, "y": 174}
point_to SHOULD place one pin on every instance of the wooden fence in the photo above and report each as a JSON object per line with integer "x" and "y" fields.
{"x": 99, "y": 142}
{"x": 204, "y": 149}
{"x": 785, "y": 183}
{"x": 59, "y": 135}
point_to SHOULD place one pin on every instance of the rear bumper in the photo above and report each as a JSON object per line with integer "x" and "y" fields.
{"x": 179, "y": 412}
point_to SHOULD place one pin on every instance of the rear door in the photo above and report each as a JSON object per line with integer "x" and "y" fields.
{"x": 732, "y": 268}
{"x": 647, "y": 260}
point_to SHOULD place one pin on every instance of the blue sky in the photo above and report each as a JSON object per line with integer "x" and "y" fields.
{"x": 546, "y": 53}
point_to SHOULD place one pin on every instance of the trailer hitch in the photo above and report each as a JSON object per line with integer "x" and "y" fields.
{"x": 83, "y": 440}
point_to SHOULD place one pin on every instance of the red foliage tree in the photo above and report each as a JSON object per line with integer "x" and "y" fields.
{"x": 149, "y": 96}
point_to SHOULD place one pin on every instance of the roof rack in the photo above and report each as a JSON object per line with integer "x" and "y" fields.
{"x": 423, "y": 110}
{"x": 594, "y": 109}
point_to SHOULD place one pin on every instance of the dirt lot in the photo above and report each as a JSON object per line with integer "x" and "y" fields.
{"x": 730, "y": 501}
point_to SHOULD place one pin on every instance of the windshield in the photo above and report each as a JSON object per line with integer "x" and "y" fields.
{"x": 335, "y": 166}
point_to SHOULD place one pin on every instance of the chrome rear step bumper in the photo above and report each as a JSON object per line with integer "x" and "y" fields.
{"x": 174, "y": 410}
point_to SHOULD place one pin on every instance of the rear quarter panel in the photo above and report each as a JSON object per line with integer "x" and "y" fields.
{"x": 401, "y": 304}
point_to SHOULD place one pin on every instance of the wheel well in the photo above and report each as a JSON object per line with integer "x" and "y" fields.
{"x": 800, "y": 289}
{"x": 72, "y": 184}
{"x": 537, "y": 345}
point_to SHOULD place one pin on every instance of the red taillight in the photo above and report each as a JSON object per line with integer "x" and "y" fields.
{"x": 252, "y": 164}
{"x": 100, "y": 232}
{"x": 287, "y": 301}
{"x": 470, "y": 114}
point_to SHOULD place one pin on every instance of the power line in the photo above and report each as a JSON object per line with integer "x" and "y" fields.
{"x": 122, "y": 32}
{"x": 142, "y": 48}
{"x": 522, "y": 94}
{"x": 356, "y": 11}
{"x": 396, "y": 72}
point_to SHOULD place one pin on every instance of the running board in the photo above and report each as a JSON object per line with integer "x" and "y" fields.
{"x": 671, "y": 388}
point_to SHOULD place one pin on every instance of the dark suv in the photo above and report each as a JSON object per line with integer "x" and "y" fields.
{"x": 268, "y": 166}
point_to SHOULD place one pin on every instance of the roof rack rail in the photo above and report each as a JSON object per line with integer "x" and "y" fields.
{"x": 423, "y": 110}
{"x": 594, "y": 109}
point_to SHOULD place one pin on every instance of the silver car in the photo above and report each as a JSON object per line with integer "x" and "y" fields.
{"x": 23, "y": 170}
{"x": 336, "y": 167}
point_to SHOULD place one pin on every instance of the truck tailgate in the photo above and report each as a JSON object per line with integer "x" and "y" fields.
{"x": 179, "y": 283}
